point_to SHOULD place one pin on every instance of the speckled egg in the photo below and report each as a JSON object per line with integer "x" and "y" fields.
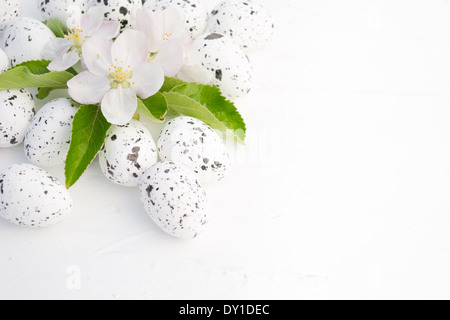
{"x": 247, "y": 22}
{"x": 227, "y": 63}
{"x": 174, "y": 199}
{"x": 47, "y": 140}
{"x": 4, "y": 61}
{"x": 116, "y": 10}
{"x": 16, "y": 112}
{"x": 59, "y": 8}
{"x": 193, "y": 144}
{"x": 194, "y": 11}
{"x": 11, "y": 9}
{"x": 30, "y": 197}
{"x": 127, "y": 153}
{"x": 24, "y": 39}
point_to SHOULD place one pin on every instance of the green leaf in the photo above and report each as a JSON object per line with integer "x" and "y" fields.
{"x": 56, "y": 26}
{"x": 35, "y": 66}
{"x": 34, "y": 74}
{"x": 170, "y": 83}
{"x": 88, "y": 135}
{"x": 207, "y": 104}
{"x": 72, "y": 71}
{"x": 154, "y": 107}
{"x": 44, "y": 93}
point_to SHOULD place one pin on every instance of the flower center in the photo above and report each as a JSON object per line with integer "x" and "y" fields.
{"x": 151, "y": 56}
{"x": 120, "y": 76}
{"x": 76, "y": 36}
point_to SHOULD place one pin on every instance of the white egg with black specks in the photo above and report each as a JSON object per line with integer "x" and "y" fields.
{"x": 127, "y": 153}
{"x": 60, "y": 8}
{"x": 174, "y": 199}
{"x": 16, "y": 113}
{"x": 4, "y": 61}
{"x": 117, "y": 10}
{"x": 194, "y": 11}
{"x": 247, "y": 22}
{"x": 11, "y": 9}
{"x": 31, "y": 197}
{"x": 195, "y": 145}
{"x": 48, "y": 136}
{"x": 24, "y": 39}
{"x": 228, "y": 65}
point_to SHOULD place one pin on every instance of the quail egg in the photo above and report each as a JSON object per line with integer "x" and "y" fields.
{"x": 47, "y": 140}
{"x": 59, "y": 8}
{"x": 30, "y": 197}
{"x": 247, "y": 22}
{"x": 174, "y": 199}
{"x": 228, "y": 65}
{"x": 193, "y": 144}
{"x": 11, "y": 9}
{"x": 16, "y": 112}
{"x": 24, "y": 39}
{"x": 117, "y": 10}
{"x": 127, "y": 153}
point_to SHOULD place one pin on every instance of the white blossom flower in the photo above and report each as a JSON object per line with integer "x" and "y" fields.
{"x": 117, "y": 74}
{"x": 168, "y": 39}
{"x": 66, "y": 52}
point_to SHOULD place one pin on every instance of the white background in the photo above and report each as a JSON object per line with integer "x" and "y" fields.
{"x": 343, "y": 189}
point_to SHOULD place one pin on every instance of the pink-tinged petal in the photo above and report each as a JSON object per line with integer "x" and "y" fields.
{"x": 152, "y": 25}
{"x": 97, "y": 55}
{"x": 55, "y": 48}
{"x": 92, "y": 21}
{"x": 130, "y": 49}
{"x": 170, "y": 57}
{"x": 64, "y": 62}
{"x": 108, "y": 30}
{"x": 87, "y": 88}
{"x": 174, "y": 25}
{"x": 147, "y": 80}
{"x": 119, "y": 105}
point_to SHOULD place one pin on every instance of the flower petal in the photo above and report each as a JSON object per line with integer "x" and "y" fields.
{"x": 195, "y": 73}
{"x": 152, "y": 25}
{"x": 55, "y": 48}
{"x": 130, "y": 49}
{"x": 119, "y": 105}
{"x": 74, "y": 17}
{"x": 174, "y": 19}
{"x": 170, "y": 57}
{"x": 108, "y": 30}
{"x": 87, "y": 88}
{"x": 97, "y": 55}
{"x": 147, "y": 80}
{"x": 176, "y": 26}
{"x": 92, "y": 21}
{"x": 64, "y": 61}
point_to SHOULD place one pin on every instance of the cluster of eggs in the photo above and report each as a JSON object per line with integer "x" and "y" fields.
{"x": 191, "y": 153}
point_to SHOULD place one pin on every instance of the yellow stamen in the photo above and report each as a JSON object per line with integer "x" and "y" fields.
{"x": 76, "y": 36}
{"x": 120, "y": 76}
{"x": 168, "y": 35}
